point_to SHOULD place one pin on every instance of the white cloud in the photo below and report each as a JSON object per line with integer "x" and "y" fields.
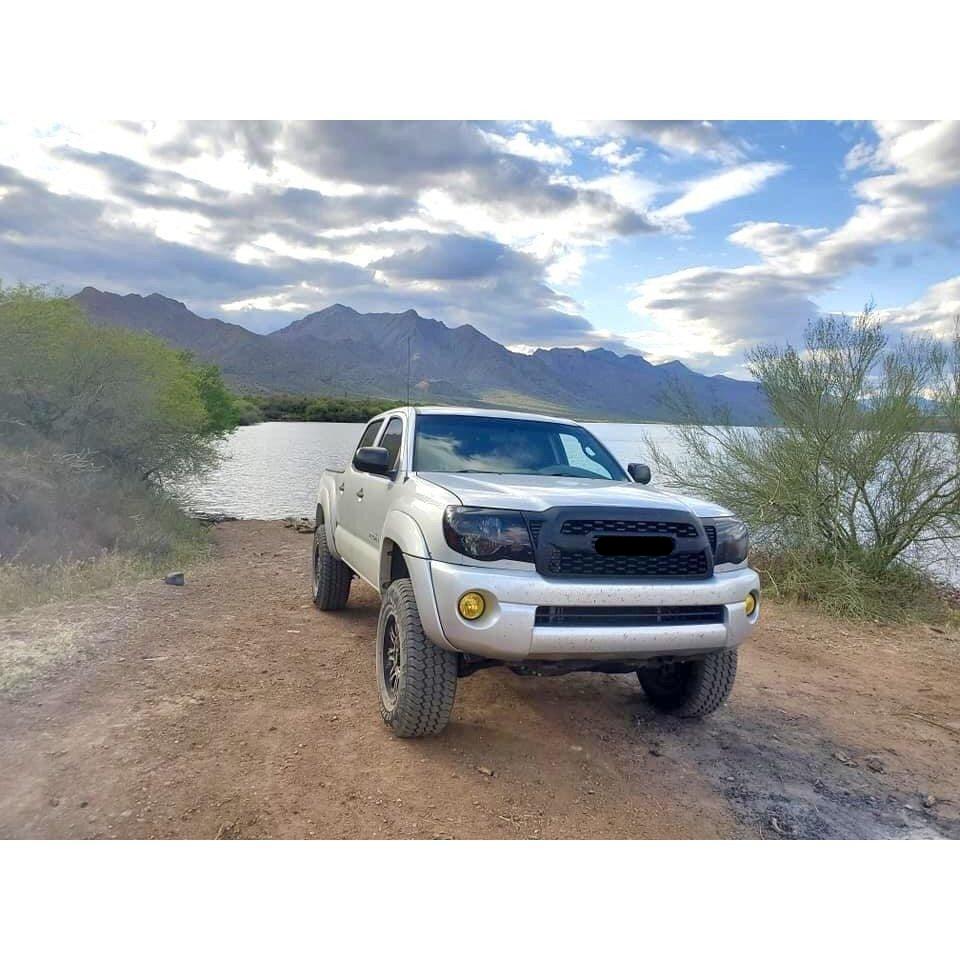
{"x": 920, "y": 155}
{"x": 662, "y": 344}
{"x": 717, "y": 306}
{"x": 174, "y": 226}
{"x": 711, "y": 191}
{"x": 612, "y": 153}
{"x": 859, "y": 155}
{"x": 691, "y": 137}
{"x": 521, "y": 145}
{"x": 277, "y": 301}
{"x": 566, "y": 268}
{"x": 777, "y": 241}
{"x": 627, "y": 188}
{"x": 935, "y": 313}
{"x": 710, "y": 310}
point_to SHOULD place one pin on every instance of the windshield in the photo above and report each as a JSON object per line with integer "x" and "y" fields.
{"x": 457, "y": 444}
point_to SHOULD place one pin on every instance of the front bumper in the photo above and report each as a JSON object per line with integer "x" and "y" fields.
{"x": 507, "y": 630}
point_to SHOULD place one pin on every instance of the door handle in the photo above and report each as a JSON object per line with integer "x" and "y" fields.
{"x": 360, "y": 494}
{"x": 340, "y": 488}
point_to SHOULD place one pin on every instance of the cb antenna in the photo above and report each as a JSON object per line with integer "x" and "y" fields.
{"x": 408, "y": 368}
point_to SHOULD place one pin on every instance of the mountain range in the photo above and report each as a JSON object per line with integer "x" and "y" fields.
{"x": 339, "y": 351}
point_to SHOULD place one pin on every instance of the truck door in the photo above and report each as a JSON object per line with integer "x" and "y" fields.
{"x": 372, "y": 500}
{"x": 349, "y": 495}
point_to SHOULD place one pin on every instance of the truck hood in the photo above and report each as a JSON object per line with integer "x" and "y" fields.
{"x": 521, "y": 492}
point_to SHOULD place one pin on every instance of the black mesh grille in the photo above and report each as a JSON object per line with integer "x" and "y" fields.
{"x": 534, "y": 523}
{"x": 711, "y": 533}
{"x": 666, "y": 527}
{"x": 627, "y": 616}
{"x": 593, "y": 565}
{"x": 581, "y": 542}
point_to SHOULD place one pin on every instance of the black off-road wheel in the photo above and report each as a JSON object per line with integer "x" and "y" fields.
{"x": 331, "y": 576}
{"x": 416, "y": 679}
{"x": 692, "y": 689}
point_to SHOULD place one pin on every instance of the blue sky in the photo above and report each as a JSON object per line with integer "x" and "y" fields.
{"x": 687, "y": 240}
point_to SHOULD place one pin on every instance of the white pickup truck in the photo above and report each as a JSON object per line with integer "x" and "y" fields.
{"x": 499, "y": 538}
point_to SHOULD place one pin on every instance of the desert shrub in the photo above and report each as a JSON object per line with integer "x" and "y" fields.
{"x": 282, "y": 406}
{"x": 862, "y": 468}
{"x": 68, "y": 527}
{"x": 248, "y": 412}
{"x": 93, "y": 422}
{"x": 122, "y": 399}
{"x": 842, "y": 588}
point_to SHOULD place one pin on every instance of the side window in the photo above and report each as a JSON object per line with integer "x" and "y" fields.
{"x": 370, "y": 434}
{"x": 391, "y": 439}
{"x": 583, "y": 456}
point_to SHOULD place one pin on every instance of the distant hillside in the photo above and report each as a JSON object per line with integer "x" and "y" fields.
{"x": 339, "y": 351}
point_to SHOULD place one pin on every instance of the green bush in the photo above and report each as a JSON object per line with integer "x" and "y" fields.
{"x": 93, "y": 423}
{"x": 248, "y": 412}
{"x": 120, "y": 398}
{"x": 853, "y": 479}
{"x": 328, "y": 409}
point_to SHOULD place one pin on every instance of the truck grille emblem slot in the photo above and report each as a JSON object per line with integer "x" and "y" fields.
{"x": 626, "y": 546}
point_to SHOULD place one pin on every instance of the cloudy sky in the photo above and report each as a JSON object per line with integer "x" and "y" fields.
{"x": 680, "y": 240}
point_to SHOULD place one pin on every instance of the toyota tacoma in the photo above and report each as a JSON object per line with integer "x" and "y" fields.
{"x": 498, "y": 538}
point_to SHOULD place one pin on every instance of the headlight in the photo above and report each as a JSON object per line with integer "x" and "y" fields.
{"x": 733, "y": 540}
{"x": 487, "y": 534}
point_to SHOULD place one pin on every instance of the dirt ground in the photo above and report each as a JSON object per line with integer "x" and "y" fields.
{"x": 231, "y": 708}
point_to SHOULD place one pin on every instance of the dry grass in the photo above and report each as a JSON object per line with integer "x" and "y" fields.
{"x": 52, "y": 627}
{"x": 29, "y": 586}
{"x": 843, "y": 590}
{"x": 23, "y": 585}
{"x": 69, "y": 528}
{"x": 28, "y": 654}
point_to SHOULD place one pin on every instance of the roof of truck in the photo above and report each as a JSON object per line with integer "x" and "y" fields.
{"x": 479, "y": 412}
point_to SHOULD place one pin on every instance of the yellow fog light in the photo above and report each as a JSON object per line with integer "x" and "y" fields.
{"x": 471, "y": 606}
{"x": 750, "y": 604}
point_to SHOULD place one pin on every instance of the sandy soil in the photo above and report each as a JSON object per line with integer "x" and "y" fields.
{"x": 232, "y": 708}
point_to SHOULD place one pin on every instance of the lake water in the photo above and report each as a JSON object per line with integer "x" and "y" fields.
{"x": 271, "y": 470}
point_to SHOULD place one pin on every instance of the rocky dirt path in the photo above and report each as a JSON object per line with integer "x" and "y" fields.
{"x": 231, "y": 708}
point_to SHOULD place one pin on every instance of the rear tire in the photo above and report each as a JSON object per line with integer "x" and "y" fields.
{"x": 416, "y": 679}
{"x": 692, "y": 689}
{"x": 331, "y": 576}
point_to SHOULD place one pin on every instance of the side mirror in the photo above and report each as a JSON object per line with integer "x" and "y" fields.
{"x": 640, "y": 472}
{"x": 372, "y": 460}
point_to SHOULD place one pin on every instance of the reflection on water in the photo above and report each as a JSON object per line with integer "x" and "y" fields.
{"x": 271, "y": 470}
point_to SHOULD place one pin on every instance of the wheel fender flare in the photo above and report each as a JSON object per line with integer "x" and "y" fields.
{"x": 400, "y": 530}
{"x": 327, "y": 514}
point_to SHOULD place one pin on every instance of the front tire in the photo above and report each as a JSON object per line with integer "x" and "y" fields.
{"x": 692, "y": 689}
{"x": 331, "y": 576}
{"x": 416, "y": 679}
